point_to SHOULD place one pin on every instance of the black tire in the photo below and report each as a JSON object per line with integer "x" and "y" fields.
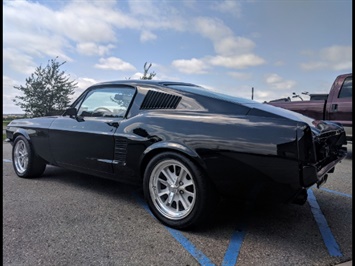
{"x": 24, "y": 160}
{"x": 177, "y": 192}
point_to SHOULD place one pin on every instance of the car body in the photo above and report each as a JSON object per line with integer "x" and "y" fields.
{"x": 186, "y": 145}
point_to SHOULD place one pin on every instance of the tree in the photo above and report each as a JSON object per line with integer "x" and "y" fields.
{"x": 47, "y": 90}
{"x": 146, "y": 69}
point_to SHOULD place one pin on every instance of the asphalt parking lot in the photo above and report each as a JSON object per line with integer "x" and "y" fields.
{"x": 65, "y": 218}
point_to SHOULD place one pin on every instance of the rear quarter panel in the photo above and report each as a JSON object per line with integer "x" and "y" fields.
{"x": 245, "y": 154}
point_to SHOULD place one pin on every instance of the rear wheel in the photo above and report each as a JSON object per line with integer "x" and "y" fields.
{"x": 26, "y": 163}
{"x": 177, "y": 192}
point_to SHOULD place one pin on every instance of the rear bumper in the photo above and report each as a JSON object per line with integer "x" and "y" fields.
{"x": 313, "y": 174}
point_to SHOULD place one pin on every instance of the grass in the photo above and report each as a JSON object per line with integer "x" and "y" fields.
{"x": 4, "y": 124}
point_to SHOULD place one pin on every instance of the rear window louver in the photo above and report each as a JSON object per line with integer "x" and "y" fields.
{"x": 160, "y": 100}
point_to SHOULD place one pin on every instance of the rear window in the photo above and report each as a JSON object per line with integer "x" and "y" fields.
{"x": 204, "y": 92}
{"x": 346, "y": 90}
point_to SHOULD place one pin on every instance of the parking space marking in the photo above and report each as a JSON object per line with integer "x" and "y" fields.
{"x": 336, "y": 192}
{"x": 196, "y": 253}
{"x": 232, "y": 253}
{"x": 237, "y": 238}
{"x": 186, "y": 244}
{"x": 327, "y": 235}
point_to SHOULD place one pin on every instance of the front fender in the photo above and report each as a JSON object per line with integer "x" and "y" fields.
{"x": 20, "y": 131}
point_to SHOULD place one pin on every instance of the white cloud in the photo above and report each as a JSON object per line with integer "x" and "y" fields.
{"x": 49, "y": 32}
{"x": 114, "y": 63}
{"x": 233, "y": 45}
{"x": 143, "y": 8}
{"x": 90, "y": 48}
{"x": 276, "y": 82}
{"x": 190, "y": 3}
{"x": 148, "y": 16}
{"x": 147, "y": 36}
{"x": 231, "y": 51}
{"x": 83, "y": 84}
{"x": 212, "y": 28}
{"x": 9, "y": 93}
{"x": 222, "y": 37}
{"x": 279, "y": 63}
{"x": 273, "y": 78}
{"x": 34, "y": 45}
{"x": 227, "y": 6}
{"x": 238, "y": 62}
{"x": 240, "y": 75}
{"x": 84, "y": 24}
{"x": 338, "y": 58}
{"x": 19, "y": 62}
{"x": 192, "y": 66}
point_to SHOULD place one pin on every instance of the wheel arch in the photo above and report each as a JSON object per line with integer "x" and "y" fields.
{"x": 22, "y": 132}
{"x": 158, "y": 148}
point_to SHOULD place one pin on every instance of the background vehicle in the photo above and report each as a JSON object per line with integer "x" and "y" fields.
{"x": 336, "y": 106}
{"x": 186, "y": 145}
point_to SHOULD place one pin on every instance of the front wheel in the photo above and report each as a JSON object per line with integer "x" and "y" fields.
{"x": 177, "y": 192}
{"x": 26, "y": 163}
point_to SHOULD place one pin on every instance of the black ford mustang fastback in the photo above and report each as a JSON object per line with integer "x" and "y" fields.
{"x": 186, "y": 145}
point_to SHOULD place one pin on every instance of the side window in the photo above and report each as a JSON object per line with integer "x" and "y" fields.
{"x": 346, "y": 90}
{"x": 106, "y": 102}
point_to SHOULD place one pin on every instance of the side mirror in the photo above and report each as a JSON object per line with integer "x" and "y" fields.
{"x": 71, "y": 112}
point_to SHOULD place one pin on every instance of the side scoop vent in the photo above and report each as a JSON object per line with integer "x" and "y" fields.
{"x": 160, "y": 100}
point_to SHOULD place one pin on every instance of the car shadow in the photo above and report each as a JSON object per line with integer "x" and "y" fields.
{"x": 102, "y": 186}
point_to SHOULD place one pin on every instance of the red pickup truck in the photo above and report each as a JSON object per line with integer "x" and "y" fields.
{"x": 335, "y": 106}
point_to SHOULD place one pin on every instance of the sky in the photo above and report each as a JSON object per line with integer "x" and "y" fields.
{"x": 276, "y": 47}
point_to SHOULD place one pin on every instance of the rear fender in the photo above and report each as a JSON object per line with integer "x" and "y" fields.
{"x": 158, "y": 147}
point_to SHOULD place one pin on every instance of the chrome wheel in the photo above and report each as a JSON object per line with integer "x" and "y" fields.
{"x": 172, "y": 189}
{"x": 20, "y": 156}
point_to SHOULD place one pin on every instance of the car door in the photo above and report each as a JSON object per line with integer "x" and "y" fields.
{"x": 85, "y": 141}
{"x": 340, "y": 106}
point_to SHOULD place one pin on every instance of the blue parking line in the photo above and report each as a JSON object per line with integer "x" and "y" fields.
{"x": 186, "y": 244}
{"x": 196, "y": 253}
{"x": 336, "y": 192}
{"x": 6, "y": 161}
{"x": 232, "y": 253}
{"x": 328, "y": 238}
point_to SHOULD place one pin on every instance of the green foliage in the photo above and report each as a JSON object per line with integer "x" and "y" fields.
{"x": 146, "y": 69}
{"x": 47, "y": 90}
{"x": 5, "y": 123}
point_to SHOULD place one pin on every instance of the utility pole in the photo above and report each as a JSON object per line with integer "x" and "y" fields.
{"x": 252, "y": 93}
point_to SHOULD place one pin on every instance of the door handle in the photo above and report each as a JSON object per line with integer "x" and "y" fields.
{"x": 334, "y": 108}
{"x": 113, "y": 124}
